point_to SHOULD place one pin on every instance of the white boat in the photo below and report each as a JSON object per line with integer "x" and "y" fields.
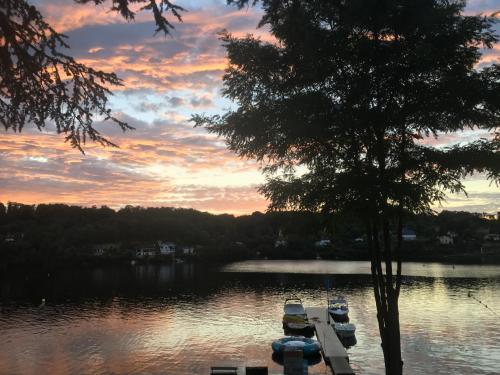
{"x": 295, "y": 317}
{"x": 339, "y": 309}
{"x": 344, "y": 330}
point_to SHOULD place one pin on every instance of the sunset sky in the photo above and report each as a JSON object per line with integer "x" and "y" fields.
{"x": 165, "y": 161}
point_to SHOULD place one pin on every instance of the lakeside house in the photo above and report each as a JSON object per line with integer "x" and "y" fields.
{"x": 188, "y": 250}
{"x": 145, "y": 252}
{"x": 11, "y": 238}
{"x": 280, "y": 241}
{"x": 323, "y": 243}
{"x": 493, "y": 237}
{"x": 105, "y": 249}
{"x": 166, "y": 248}
{"x": 409, "y": 235}
{"x": 160, "y": 248}
{"x": 488, "y": 216}
{"x": 445, "y": 240}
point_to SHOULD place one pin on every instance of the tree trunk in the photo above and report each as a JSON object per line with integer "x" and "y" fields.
{"x": 392, "y": 354}
{"x": 386, "y": 295}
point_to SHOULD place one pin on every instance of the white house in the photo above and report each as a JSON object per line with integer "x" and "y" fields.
{"x": 98, "y": 251}
{"x": 101, "y": 249}
{"x": 166, "y": 248}
{"x": 452, "y": 234}
{"x": 9, "y": 239}
{"x": 323, "y": 243}
{"x": 280, "y": 241}
{"x": 409, "y": 235}
{"x": 13, "y": 237}
{"x": 145, "y": 252}
{"x": 188, "y": 250}
{"x": 492, "y": 237}
{"x": 445, "y": 240}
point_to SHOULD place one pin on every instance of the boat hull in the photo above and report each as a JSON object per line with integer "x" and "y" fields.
{"x": 309, "y": 347}
{"x": 344, "y": 330}
{"x": 339, "y": 316}
{"x": 296, "y": 323}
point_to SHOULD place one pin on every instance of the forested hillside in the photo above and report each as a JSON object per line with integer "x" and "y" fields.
{"x": 50, "y": 233}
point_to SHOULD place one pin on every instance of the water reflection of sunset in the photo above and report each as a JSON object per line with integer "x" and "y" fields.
{"x": 184, "y": 319}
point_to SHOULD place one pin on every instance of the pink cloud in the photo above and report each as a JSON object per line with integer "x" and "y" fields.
{"x": 164, "y": 162}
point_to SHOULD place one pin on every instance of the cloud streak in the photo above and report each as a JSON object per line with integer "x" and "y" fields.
{"x": 165, "y": 161}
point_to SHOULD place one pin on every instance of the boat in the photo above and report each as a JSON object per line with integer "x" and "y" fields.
{"x": 295, "y": 318}
{"x": 348, "y": 342}
{"x": 344, "y": 330}
{"x": 309, "y": 360}
{"x": 309, "y": 347}
{"x": 339, "y": 309}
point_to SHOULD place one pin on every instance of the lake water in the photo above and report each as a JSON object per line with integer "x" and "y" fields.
{"x": 183, "y": 319}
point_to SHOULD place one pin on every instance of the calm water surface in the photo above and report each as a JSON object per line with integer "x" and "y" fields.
{"x": 182, "y": 319}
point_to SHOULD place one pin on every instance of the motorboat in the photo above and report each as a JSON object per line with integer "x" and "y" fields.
{"x": 344, "y": 330}
{"x": 348, "y": 341}
{"x": 309, "y": 360}
{"x": 295, "y": 317}
{"x": 339, "y": 309}
{"x": 309, "y": 347}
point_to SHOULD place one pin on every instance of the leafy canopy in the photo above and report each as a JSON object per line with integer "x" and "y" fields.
{"x": 338, "y": 106}
{"x": 40, "y": 84}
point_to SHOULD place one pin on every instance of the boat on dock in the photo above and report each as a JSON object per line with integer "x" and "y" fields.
{"x": 339, "y": 309}
{"x": 309, "y": 347}
{"x": 344, "y": 330}
{"x": 312, "y": 360}
{"x": 348, "y": 342}
{"x": 295, "y": 317}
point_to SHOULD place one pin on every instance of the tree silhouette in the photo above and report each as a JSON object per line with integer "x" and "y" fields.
{"x": 39, "y": 84}
{"x": 336, "y": 111}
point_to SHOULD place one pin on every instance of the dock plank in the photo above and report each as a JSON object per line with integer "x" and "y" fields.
{"x": 332, "y": 349}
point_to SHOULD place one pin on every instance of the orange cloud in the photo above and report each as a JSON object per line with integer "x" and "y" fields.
{"x": 164, "y": 162}
{"x": 154, "y": 166}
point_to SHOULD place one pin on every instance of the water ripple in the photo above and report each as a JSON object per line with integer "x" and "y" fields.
{"x": 182, "y": 325}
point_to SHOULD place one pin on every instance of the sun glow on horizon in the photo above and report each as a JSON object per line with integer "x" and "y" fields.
{"x": 164, "y": 161}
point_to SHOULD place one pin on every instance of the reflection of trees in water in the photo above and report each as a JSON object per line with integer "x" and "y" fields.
{"x": 166, "y": 280}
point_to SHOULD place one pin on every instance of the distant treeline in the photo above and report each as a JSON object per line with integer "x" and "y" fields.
{"x": 52, "y": 233}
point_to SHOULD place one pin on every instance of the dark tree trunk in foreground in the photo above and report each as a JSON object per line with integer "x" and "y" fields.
{"x": 386, "y": 292}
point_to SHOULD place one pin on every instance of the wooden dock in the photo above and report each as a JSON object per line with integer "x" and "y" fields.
{"x": 331, "y": 347}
